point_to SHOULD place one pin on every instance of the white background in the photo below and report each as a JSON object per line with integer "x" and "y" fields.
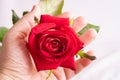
{"x": 105, "y": 13}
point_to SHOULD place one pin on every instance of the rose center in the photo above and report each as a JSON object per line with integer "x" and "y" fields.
{"x": 54, "y": 45}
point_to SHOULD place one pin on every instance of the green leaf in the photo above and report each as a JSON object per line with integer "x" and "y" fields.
{"x": 82, "y": 54}
{"x": 51, "y": 7}
{"x": 3, "y": 31}
{"x": 88, "y": 26}
{"x": 25, "y": 12}
{"x": 15, "y": 17}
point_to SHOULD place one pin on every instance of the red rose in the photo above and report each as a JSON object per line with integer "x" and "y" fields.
{"x": 53, "y": 43}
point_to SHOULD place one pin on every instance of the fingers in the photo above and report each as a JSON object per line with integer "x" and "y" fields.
{"x": 80, "y": 65}
{"x": 59, "y": 73}
{"x": 79, "y": 23}
{"x": 88, "y": 36}
{"x": 65, "y": 15}
{"x": 84, "y": 62}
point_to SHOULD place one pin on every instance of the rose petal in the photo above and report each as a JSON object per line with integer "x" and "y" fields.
{"x": 42, "y": 27}
{"x": 70, "y": 63}
{"x": 58, "y": 21}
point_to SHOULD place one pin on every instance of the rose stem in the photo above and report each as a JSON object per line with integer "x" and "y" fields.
{"x": 50, "y": 72}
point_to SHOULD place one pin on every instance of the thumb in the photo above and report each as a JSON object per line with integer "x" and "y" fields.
{"x": 22, "y": 28}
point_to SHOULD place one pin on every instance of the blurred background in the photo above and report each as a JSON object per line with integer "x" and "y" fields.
{"x": 104, "y": 13}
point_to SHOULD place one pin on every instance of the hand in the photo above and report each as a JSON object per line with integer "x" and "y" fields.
{"x": 16, "y": 62}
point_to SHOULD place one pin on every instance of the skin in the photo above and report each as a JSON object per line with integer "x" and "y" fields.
{"x": 16, "y": 62}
